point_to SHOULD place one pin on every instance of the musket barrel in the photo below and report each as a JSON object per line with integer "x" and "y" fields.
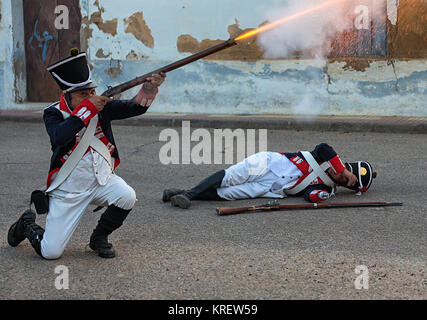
{"x": 363, "y": 204}
{"x": 172, "y": 66}
{"x": 236, "y": 210}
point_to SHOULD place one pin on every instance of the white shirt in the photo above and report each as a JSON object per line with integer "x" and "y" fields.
{"x": 90, "y": 171}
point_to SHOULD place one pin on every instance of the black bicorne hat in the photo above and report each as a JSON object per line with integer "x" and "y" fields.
{"x": 364, "y": 173}
{"x": 72, "y": 73}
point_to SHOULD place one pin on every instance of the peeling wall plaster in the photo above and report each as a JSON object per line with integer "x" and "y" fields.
{"x": 125, "y": 39}
{"x": 138, "y": 27}
{"x": 107, "y": 26}
{"x": 245, "y": 51}
{"x": 186, "y": 28}
{"x": 239, "y": 79}
{"x": 100, "y": 54}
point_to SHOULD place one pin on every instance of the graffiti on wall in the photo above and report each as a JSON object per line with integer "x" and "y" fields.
{"x": 43, "y": 40}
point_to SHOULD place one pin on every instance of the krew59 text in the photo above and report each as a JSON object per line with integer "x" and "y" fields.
{"x": 231, "y": 309}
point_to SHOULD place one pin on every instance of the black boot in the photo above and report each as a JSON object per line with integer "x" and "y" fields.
{"x": 169, "y": 193}
{"x": 34, "y": 233}
{"x": 16, "y": 232}
{"x": 26, "y": 227}
{"x": 206, "y": 188}
{"x": 110, "y": 220}
{"x": 101, "y": 245}
{"x": 181, "y": 200}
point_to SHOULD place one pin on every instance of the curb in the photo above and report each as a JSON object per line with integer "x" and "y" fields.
{"x": 287, "y": 123}
{"x": 279, "y": 122}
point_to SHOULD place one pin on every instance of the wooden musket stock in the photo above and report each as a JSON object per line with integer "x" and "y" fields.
{"x": 277, "y": 206}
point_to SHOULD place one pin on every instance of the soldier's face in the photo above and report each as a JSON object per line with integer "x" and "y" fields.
{"x": 78, "y": 96}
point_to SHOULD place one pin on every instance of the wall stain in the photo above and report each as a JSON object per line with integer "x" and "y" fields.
{"x": 132, "y": 56}
{"x": 247, "y": 50}
{"x": 86, "y": 31}
{"x": 85, "y": 34}
{"x": 138, "y": 27}
{"x": 354, "y": 63}
{"x": 100, "y": 54}
{"x": 357, "y": 64}
{"x": 114, "y": 71}
{"x": 19, "y": 67}
{"x": 108, "y": 26}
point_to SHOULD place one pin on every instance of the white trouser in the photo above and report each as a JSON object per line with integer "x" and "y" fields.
{"x": 250, "y": 178}
{"x": 66, "y": 209}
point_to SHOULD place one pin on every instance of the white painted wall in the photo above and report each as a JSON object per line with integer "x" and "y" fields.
{"x": 230, "y": 87}
{"x": 6, "y": 49}
{"x": 203, "y": 19}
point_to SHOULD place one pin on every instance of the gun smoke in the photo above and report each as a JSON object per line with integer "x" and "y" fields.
{"x": 310, "y": 37}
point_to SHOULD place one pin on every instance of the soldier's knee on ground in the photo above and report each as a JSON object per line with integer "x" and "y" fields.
{"x": 51, "y": 251}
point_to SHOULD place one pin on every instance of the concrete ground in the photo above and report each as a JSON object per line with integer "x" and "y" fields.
{"x": 170, "y": 253}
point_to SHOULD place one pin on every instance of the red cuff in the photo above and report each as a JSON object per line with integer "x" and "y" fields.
{"x": 337, "y": 164}
{"x": 86, "y": 110}
{"x": 145, "y": 99}
{"x": 318, "y": 196}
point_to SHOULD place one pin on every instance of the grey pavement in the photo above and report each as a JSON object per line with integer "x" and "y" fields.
{"x": 170, "y": 253}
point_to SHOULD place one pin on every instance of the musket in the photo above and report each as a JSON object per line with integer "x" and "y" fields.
{"x": 275, "y": 205}
{"x": 112, "y": 91}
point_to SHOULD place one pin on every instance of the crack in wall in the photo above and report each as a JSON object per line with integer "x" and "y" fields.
{"x": 396, "y": 86}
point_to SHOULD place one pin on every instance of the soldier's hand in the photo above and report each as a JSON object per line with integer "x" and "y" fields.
{"x": 351, "y": 178}
{"x": 99, "y": 101}
{"x": 154, "y": 81}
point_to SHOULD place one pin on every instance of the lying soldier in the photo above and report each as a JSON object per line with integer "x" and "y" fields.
{"x": 314, "y": 175}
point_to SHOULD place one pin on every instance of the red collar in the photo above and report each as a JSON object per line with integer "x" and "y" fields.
{"x": 63, "y": 105}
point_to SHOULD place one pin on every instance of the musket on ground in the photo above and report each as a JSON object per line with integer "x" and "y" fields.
{"x": 275, "y": 205}
{"x": 112, "y": 91}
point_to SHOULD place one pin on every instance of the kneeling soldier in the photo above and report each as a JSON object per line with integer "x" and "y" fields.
{"x": 84, "y": 159}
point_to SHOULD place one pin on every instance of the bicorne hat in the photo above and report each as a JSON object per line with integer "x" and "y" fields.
{"x": 72, "y": 73}
{"x": 364, "y": 173}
